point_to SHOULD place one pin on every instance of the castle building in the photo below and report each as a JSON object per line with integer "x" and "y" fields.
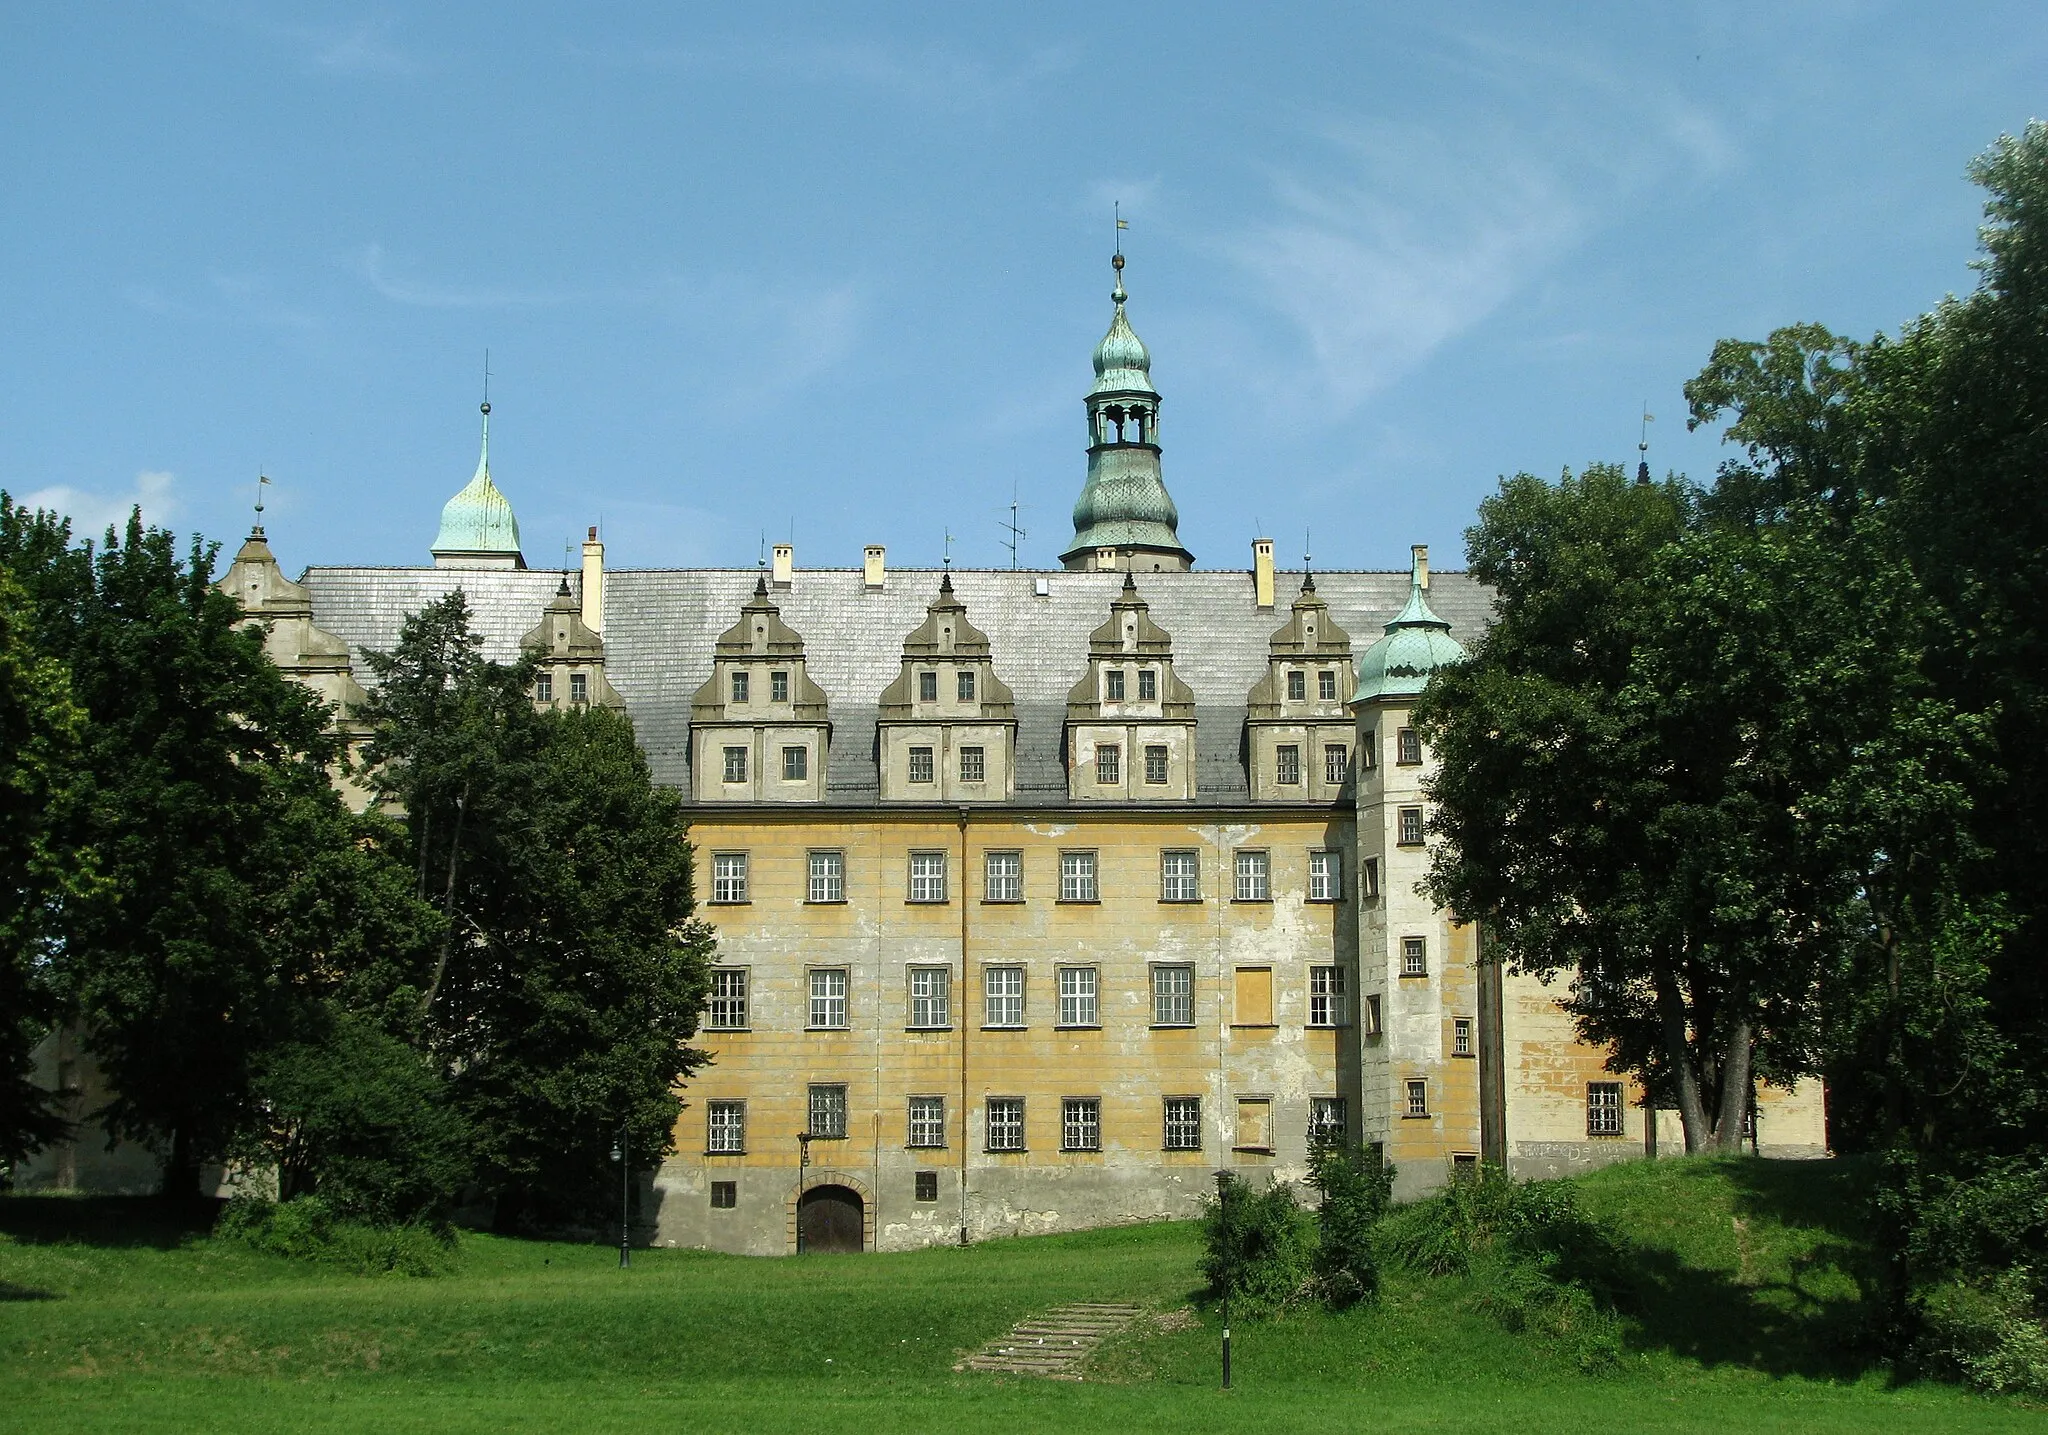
{"x": 1040, "y": 896}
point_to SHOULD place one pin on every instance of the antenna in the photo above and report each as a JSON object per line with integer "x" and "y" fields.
{"x": 1307, "y": 558}
{"x": 1643, "y": 445}
{"x": 761, "y": 557}
{"x": 1011, "y": 527}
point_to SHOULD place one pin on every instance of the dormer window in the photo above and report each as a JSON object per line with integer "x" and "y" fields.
{"x": 1113, "y": 684}
{"x": 778, "y": 686}
{"x": 735, "y": 764}
{"x": 1148, "y": 685}
{"x": 1297, "y": 685}
{"x": 928, "y": 687}
{"x": 964, "y": 685}
{"x": 920, "y": 764}
{"x": 739, "y": 686}
{"x": 1155, "y": 765}
{"x": 1109, "y": 764}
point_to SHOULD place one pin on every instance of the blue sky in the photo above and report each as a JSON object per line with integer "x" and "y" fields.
{"x": 835, "y": 272}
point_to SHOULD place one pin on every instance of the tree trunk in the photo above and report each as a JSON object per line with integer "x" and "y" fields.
{"x": 1734, "y": 1089}
{"x": 447, "y": 908}
{"x": 1685, "y": 1081}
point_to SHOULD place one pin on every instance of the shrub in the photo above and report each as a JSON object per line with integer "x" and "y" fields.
{"x": 1259, "y": 1246}
{"x": 306, "y": 1229}
{"x": 1988, "y": 1334}
{"x": 1356, "y": 1186}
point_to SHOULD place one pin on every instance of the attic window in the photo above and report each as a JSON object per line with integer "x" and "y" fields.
{"x": 778, "y": 687}
{"x": 1148, "y": 685}
{"x": 927, "y": 687}
{"x": 1113, "y": 684}
{"x": 1297, "y": 685}
{"x": 1326, "y": 685}
{"x": 964, "y": 685}
{"x": 739, "y": 687}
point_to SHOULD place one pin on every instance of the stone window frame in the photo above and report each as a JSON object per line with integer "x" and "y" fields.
{"x": 725, "y": 1195}
{"x": 1336, "y": 763}
{"x": 1113, "y": 685}
{"x": 1322, "y": 1131}
{"x": 1080, "y": 1123}
{"x": 1368, "y": 751}
{"x": 1326, "y": 685}
{"x": 1109, "y": 762}
{"x": 928, "y": 685}
{"x": 802, "y": 765}
{"x": 1410, "y": 830}
{"x": 1414, "y": 956}
{"x": 825, "y": 877}
{"x": 925, "y": 1186}
{"x": 989, "y": 876}
{"x": 925, "y": 1123}
{"x": 1238, "y": 1142}
{"x": 1003, "y": 1130}
{"x": 921, "y": 765}
{"x": 963, "y": 685}
{"x": 1604, "y": 1114}
{"x": 1329, "y": 1007}
{"x": 1369, "y": 1016}
{"x": 1148, "y": 685}
{"x": 741, "y": 685}
{"x": 1181, "y": 1119}
{"x": 731, "y": 879}
{"x": 1164, "y": 1016}
{"x": 778, "y": 685}
{"x": 1287, "y": 764}
{"x": 543, "y": 688}
{"x": 727, "y": 1137}
{"x": 974, "y": 764}
{"x": 1417, "y": 1097}
{"x": 1252, "y": 869}
{"x": 1462, "y": 1045}
{"x": 735, "y": 764}
{"x": 933, "y": 1009}
{"x": 1080, "y": 877}
{"x": 818, "y": 1098}
{"x": 1158, "y": 759}
{"x": 1297, "y": 685}
{"x": 1369, "y": 880}
{"x": 1407, "y": 747}
{"x": 730, "y": 1005}
{"x": 1086, "y": 996}
{"x": 579, "y": 688}
{"x": 1325, "y": 874}
{"x": 927, "y": 874}
{"x": 1170, "y": 889}
{"x": 990, "y": 996}
{"x": 820, "y": 999}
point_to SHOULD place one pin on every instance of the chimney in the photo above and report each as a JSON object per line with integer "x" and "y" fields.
{"x": 1105, "y": 560}
{"x": 593, "y": 582}
{"x": 1420, "y": 554}
{"x": 1262, "y": 571}
{"x": 785, "y": 565}
{"x": 874, "y": 567}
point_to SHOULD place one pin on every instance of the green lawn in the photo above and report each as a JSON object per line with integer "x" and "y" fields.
{"x": 1742, "y": 1295}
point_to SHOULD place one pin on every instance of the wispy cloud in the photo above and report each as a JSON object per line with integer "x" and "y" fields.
{"x": 375, "y": 268}
{"x": 91, "y": 514}
{"x": 366, "y": 46}
{"x": 931, "y": 74}
{"x": 776, "y": 338}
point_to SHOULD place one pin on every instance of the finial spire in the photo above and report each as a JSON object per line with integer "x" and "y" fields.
{"x": 1643, "y": 445}
{"x": 256, "y": 530}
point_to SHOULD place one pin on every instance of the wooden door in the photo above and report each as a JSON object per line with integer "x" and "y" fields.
{"x": 830, "y": 1219}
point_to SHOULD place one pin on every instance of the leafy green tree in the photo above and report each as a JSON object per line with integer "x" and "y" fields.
{"x": 1356, "y": 1185}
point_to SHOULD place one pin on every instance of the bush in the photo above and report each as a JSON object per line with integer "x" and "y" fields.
{"x": 1356, "y": 1186}
{"x": 307, "y": 1229}
{"x": 1987, "y": 1334}
{"x": 1258, "y": 1246}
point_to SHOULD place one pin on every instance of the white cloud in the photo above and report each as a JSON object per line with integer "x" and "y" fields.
{"x": 91, "y": 514}
{"x": 935, "y": 75}
{"x": 371, "y": 264}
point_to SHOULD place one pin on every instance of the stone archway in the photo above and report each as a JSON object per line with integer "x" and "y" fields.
{"x": 832, "y": 1218}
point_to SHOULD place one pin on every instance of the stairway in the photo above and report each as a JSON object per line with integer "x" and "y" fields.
{"x": 1054, "y": 1344}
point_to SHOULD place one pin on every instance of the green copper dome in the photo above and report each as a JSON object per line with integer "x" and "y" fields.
{"x": 1122, "y": 363}
{"x": 1417, "y": 643}
{"x": 478, "y": 522}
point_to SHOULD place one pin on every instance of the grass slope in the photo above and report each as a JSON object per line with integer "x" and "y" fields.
{"x": 1740, "y": 1278}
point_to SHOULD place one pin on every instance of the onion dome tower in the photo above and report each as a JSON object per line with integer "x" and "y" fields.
{"x": 1124, "y": 518}
{"x": 478, "y": 529}
{"x": 1417, "y": 643}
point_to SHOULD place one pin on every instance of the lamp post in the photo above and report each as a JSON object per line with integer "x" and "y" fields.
{"x": 1229, "y": 1264}
{"x": 803, "y": 1162}
{"x": 620, "y": 1153}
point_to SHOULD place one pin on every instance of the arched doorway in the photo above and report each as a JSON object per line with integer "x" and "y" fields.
{"x": 829, "y": 1219}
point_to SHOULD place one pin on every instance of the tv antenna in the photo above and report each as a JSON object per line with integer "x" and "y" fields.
{"x": 1012, "y": 529}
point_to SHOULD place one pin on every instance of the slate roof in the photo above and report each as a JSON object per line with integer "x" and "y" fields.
{"x": 661, "y": 625}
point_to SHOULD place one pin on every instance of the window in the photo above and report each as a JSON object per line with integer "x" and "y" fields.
{"x": 828, "y": 998}
{"x": 1326, "y": 685}
{"x": 1155, "y": 764}
{"x": 1366, "y": 751}
{"x": 1297, "y": 685}
{"x": 1408, "y": 747}
{"x": 828, "y": 877}
{"x": 1253, "y": 987}
{"x": 1254, "y": 877}
{"x": 1173, "y": 996}
{"x": 1326, "y": 876}
{"x": 1411, "y": 827}
{"x": 1003, "y": 996}
{"x": 1418, "y": 1098}
{"x": 1077, "y": 877}
{"x": 1003, "y": 877}
{"x": 1603, "y": 1108}
{"x": 739, "y": 687}
{"x": 735, "y": 764}
{"x": 963, "y": 685}
{"x": 1077, "y": 996}
{"x": 1254, "y": 1123}
{"x": 544, "y": 688}
{"x": 1371, "y": 1012}
{"x": 1287, "y": 764}
{"x": 796, "y": 764}
{"x": 1006, "y": 1123}
{"x": 1464, "y": 1165}
{"x": 973, "y": 762}
{"x": 1414, "y": 956}
{"x": 1183, "y": 1123}
{"x": 726, "y": 1128}
{"x": 1326, "y": 1005}
{"x": 1336, "y": 763}
{"x": 1461, "y": 1036}
{"x": 1180, "y": 876}
{"x": 1369, "y": 879}
{"x": 729, "y": 877}
{"x": 828, "y": 1112}
{"x": 728, "y": 1009}
{"x": 778, "y": 686}
{"x": 1109, "y": 764}
{"x": 928, "y": 687}
{"x": 1328, "y": 1122}
{"x": 927, "y": 1187}
{"x": 927, "y": 1122}
{"x": 931, "y": 996}
{"x": 1081, "y": 1124}
{"x": 920, "y": 764}
{"x": 724, "y": 1195}
{"x": 1113, "y": 684}
{"x": 1148, "y": 685}
{"x": 579, "y": 688}
{"x": 927, "y": 876}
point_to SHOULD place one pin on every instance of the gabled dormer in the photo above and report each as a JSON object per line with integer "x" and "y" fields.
{"x": 758, "y": 729}
{"x": 568, "y": 656}
{"x": 1299, "y": 728}
{"x": 947, "y": 726}
{"x": 1130, "y": 720}
{"x": 301, "y": 650}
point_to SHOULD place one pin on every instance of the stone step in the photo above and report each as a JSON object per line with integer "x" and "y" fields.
{"x": 1053, "y": 1344}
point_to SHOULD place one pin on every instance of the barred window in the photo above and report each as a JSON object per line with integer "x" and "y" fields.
{"x": 1173, "y": 996}
{"x": 1326, "y": 685}
{"x": 1414, "y": 956}
{"x": 1183, "y": 1123}
{"x": 544, "y": 688}
{"x": 1180, "y": 876}
{"x": 1113, "y": 684}
{"x": 1077, "y": 877}
{"x": 1003, "y": 996}
{"x": 728, "y": 1009}
{"x": 1328, "y": 1121}
{"x": 729, "y": 877}
{"x": 1081, "y": 1124}
{"x": 828, "y": 876}
{"x": 1077, "y": 996}
{"x": 579, "y": 688}
{"x": 1411, "y": 827}
{"x": 1109, "y": 764}
{"x": 828, "y": 1112}
{"x": 725, "y": 1195}
{"x": 735, "y": 764}
{"x": 1418, "y": 1098}
{"x": 726, "y": 1124}
{"x": 920, "y": 764}
{"x": 1003, "y": 877}
{"x": 796, "y": 764}
{"x": 1326, "y": 1004}
{"x": 739, "y": 687}
{"x": 828, "y": 998}
{"x": 926, "y": 1186}
{"x": 927, "y": 876}
{"x": 963, "y": 685}
{"x": 1603, "y": 1108}
{"x": 931, "y": 996}
{"x": 927, "y": 1121}
{"x": 1287, "y": 764}
{"x": 1148, "y": 685}
{"x": 928, "y": 687}
{"x": 1408, "y": 746}
{"x": 1155, "y": 764}
{"x": 1254, "y": 877}
{"x": 973, "y": 760}
{"x": 1461, "y": 1036}
{"x": 1326, "y": 876}
{"x": 778, "y": 686}
{"x": 1297, "y": 685}
{"x": 1006, "y": 1123}
{"x": 1336, "y": 763}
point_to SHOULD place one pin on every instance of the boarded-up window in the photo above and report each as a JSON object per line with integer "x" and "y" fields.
{"x": 1254, "y": 1123}
{"x": 1254, "y": 996}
